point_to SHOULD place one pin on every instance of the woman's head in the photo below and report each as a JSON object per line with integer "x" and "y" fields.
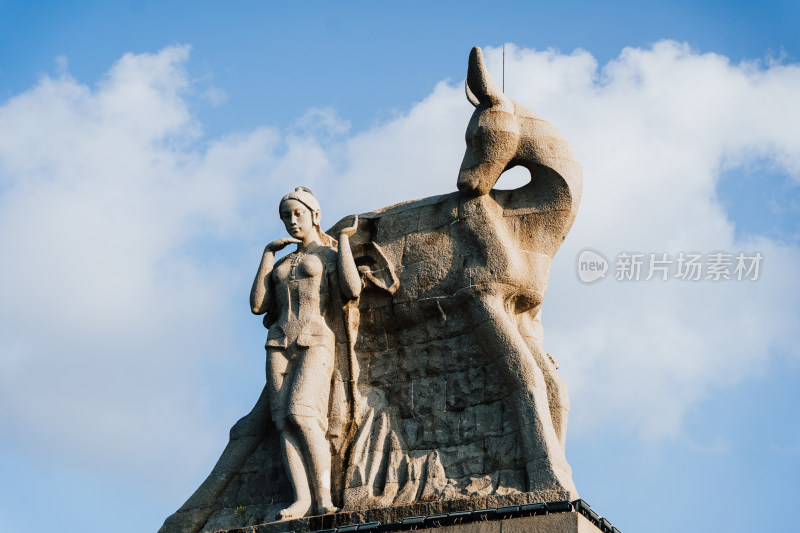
{"x": 300, "y": 213}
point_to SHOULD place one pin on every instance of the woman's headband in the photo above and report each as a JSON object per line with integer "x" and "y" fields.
{"x": 304, "y": 196}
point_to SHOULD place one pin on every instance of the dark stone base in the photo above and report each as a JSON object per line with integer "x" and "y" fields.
{"x": 475, "y": 515}
{"x": 552, "y": 523}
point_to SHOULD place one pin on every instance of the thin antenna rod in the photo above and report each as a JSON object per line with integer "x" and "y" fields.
{"x": 504, "y": 67}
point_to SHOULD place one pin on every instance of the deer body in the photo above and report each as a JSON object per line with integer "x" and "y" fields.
{"x": 486, "y": 254}
{"x": 519, "y": 244}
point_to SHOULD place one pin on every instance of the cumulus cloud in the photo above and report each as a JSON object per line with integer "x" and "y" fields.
{"x": 108, "y": 320}
{"x": 112, "y": 311}
{"x": 654, "y": 129}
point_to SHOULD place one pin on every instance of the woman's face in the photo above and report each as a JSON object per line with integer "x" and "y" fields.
{"x": 298, "y": 219}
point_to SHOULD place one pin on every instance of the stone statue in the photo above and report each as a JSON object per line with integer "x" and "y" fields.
{"x": 297, "y": 293}
{"x": 431, "y": 382}
{"x": 508, "y": 279}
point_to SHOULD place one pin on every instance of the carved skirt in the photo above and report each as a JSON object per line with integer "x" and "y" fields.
{"x": 299, "y": 382}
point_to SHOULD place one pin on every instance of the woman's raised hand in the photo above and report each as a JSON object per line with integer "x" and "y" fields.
{"x": 352, "y": 229}
{"x": 280, "y": 244}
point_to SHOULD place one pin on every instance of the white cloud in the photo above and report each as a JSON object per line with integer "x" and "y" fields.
{"x": 111, "y": 317}
{"x": 653, "y": 130}
{"x": 323, "y": 122}
{"x": 108, "y": 321}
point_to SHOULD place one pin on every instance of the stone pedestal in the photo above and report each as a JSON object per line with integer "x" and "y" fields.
{"x": 550, "y": 517}
{"x": 553, "y": 523}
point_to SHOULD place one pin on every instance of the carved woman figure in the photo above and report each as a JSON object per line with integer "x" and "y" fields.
{"x": 296, "y": 292}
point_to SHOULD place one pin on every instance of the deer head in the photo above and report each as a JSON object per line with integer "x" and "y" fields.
{"x": 493, "y": 132}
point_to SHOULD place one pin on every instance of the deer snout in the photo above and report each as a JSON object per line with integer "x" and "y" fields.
{"x": 479, "y": 179}
{"x": 466, "y": 184}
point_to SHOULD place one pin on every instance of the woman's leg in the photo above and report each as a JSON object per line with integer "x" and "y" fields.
{"x": 296, "y": 469}
{"x": 308, "y": 409}
{"x": 279, "y": 388}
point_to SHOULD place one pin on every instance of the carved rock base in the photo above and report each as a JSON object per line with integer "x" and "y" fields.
{"x": 553, "y": 523}
{"x": 396, "y": 514}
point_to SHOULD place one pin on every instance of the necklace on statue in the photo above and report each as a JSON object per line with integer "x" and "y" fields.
{"x": 295, "y": 261}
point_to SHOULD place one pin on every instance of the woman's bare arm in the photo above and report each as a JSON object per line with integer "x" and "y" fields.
{"x": 261, "y": 293}
{"x": 349, "y": 278}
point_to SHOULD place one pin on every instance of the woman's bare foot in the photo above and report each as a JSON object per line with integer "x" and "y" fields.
{"x": 327, "y": 508}
{"x": 298, "y": 509}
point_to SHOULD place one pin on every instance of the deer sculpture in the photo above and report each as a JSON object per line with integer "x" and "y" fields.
{"x": 524, "y": 229}
{"x": 485, "y": 254}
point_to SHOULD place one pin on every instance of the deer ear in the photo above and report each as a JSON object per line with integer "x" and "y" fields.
{"x": 471, "y": 97}
{"x": 480, "y": 87}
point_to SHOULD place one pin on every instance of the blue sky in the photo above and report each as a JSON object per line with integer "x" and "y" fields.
{"x": 143, "y": 147}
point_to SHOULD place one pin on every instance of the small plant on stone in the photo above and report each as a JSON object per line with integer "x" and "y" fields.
{"x": 239, "y": 511}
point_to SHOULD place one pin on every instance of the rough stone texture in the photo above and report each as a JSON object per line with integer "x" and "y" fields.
{"x": 554, "y": 523}
{"x": 449, "y": 395}
{"x": 397, "y": 514}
